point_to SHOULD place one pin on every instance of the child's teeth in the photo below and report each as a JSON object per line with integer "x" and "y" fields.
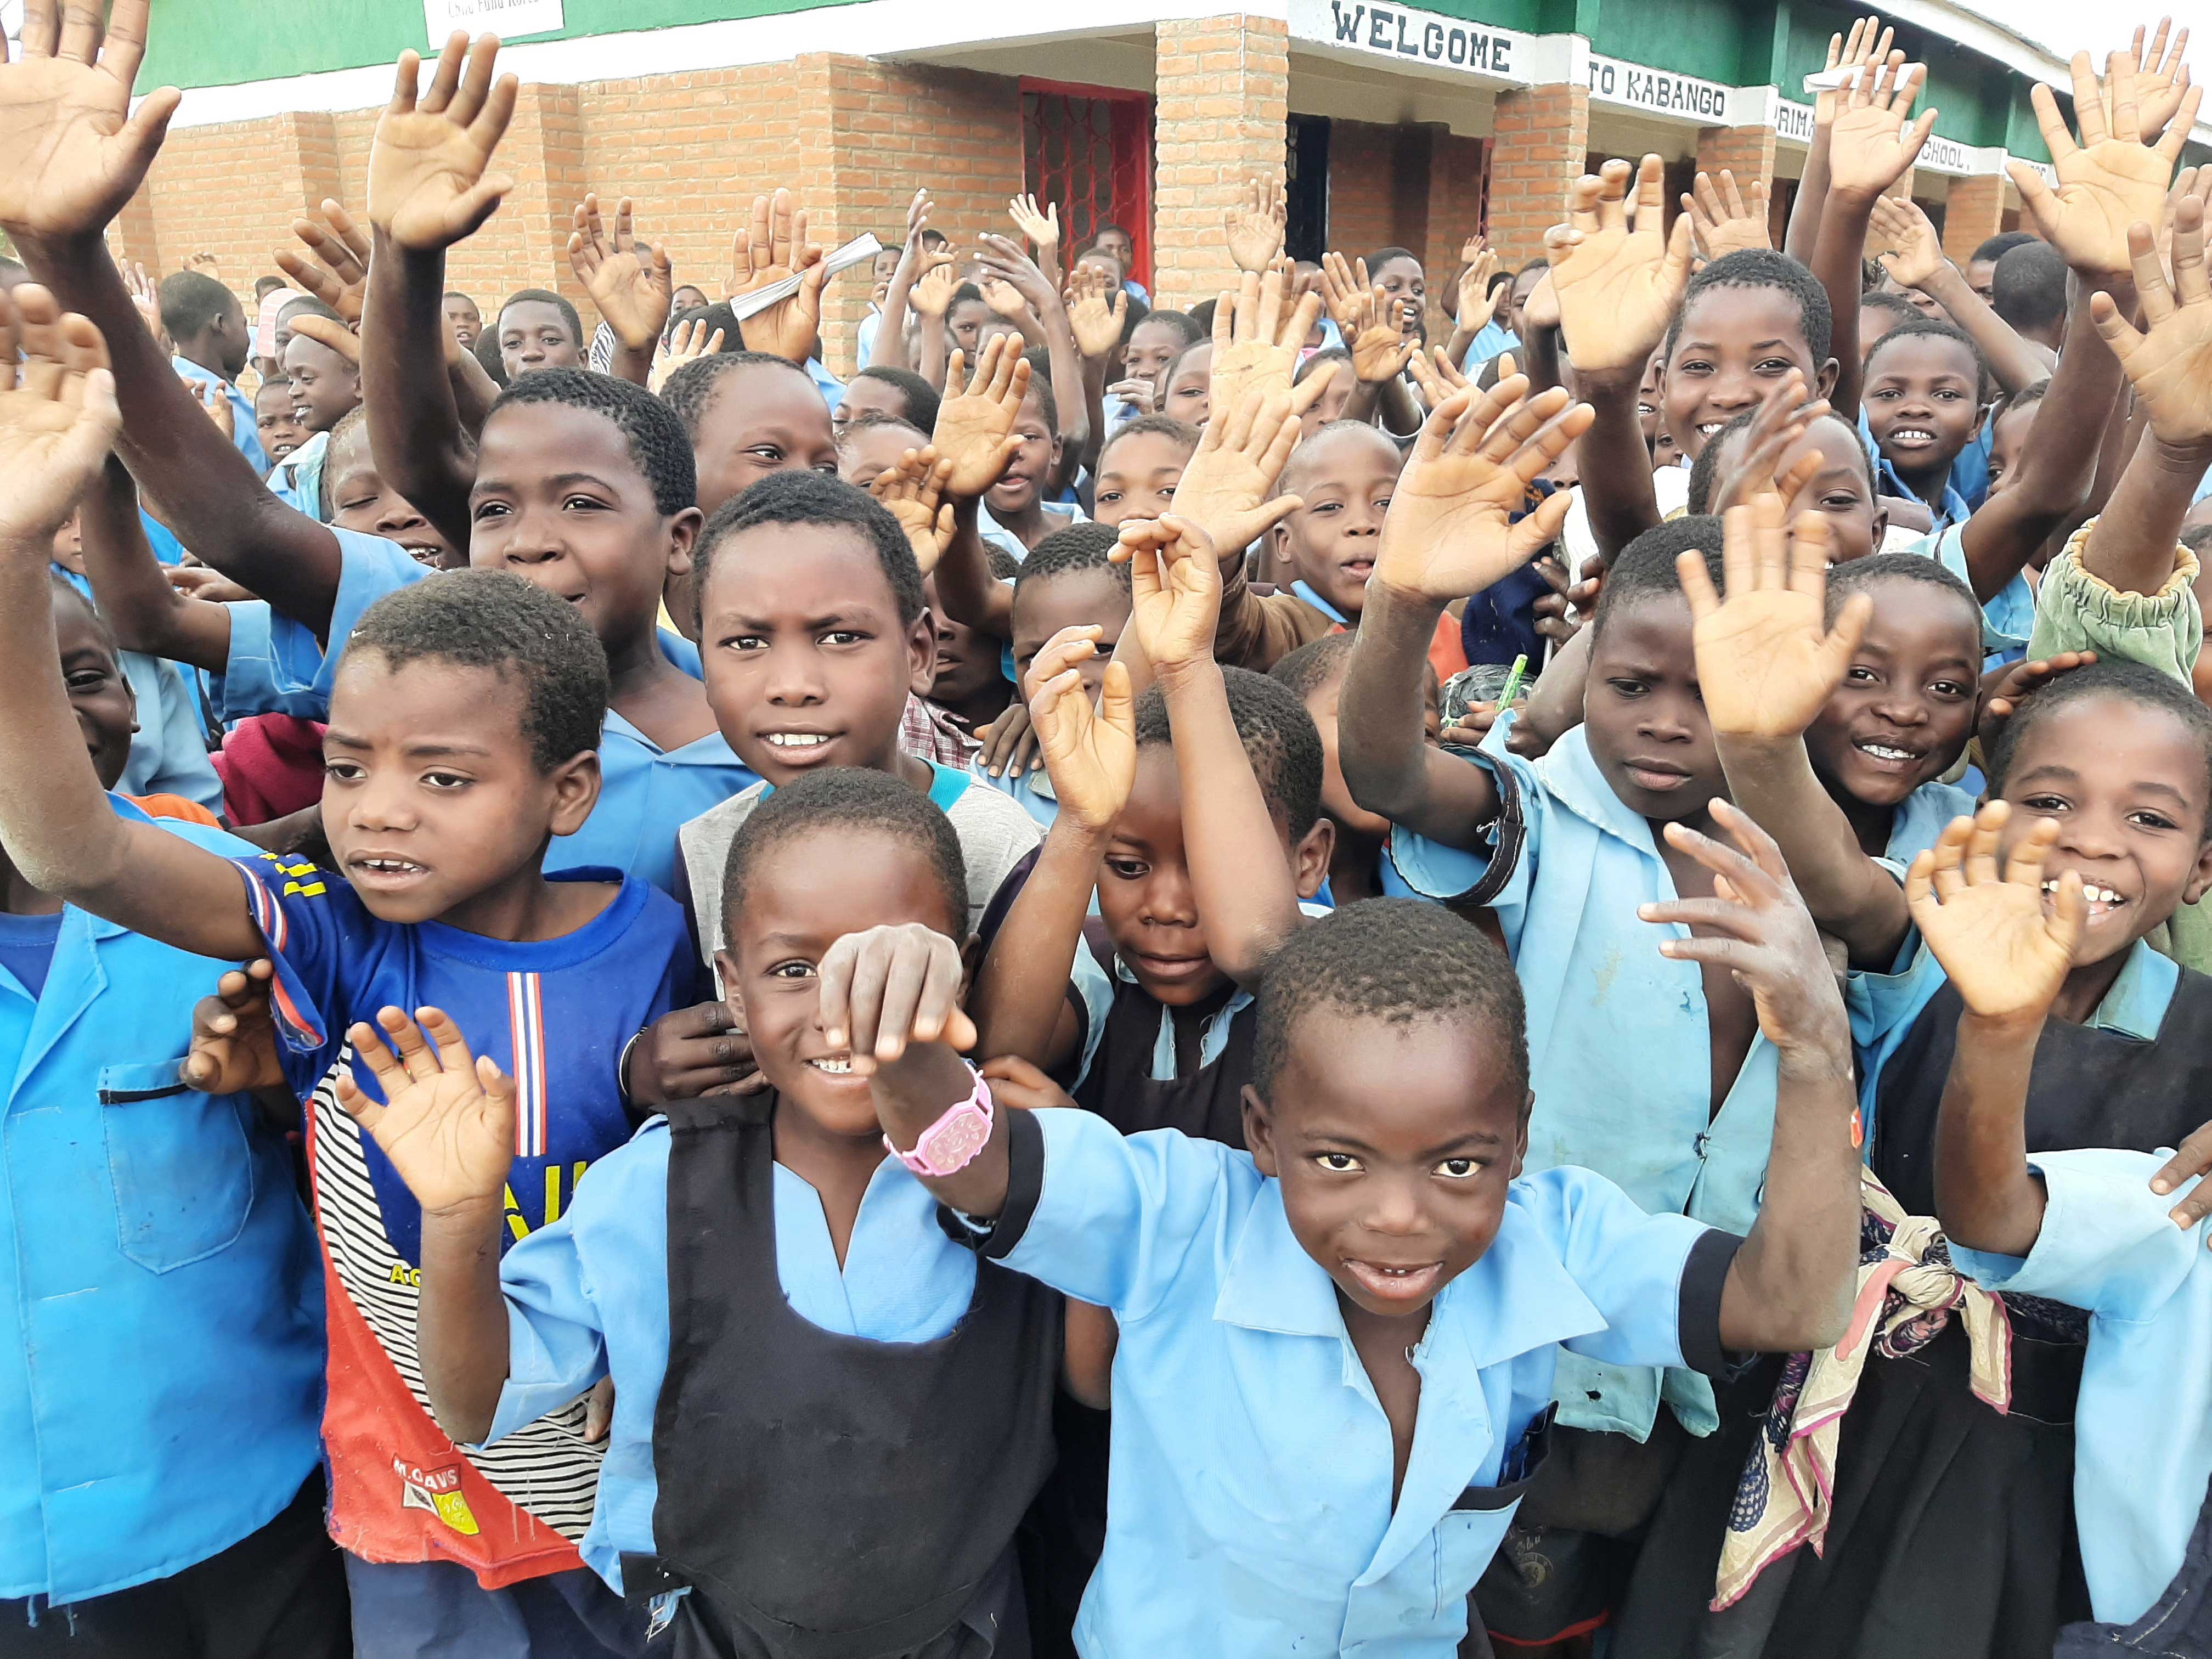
{"x": 837, "y": 1067}
{"x": 796, "y": 739}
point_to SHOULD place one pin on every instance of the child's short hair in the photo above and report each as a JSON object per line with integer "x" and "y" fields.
{"x": 488, "y": 357}
{"x": 294, "y": 305}
{"x": 2026, "y": 397}
{"x": 966, "y": 293}
{"x": 348, "y": 424}
{"x": 1760, "y": 267}
{"x": 2196, "y": 537}
{"x": 1278, "y": 738}
{"x": 1202, "y": 314}
{"x": 1857, "y": 575}
{"x": 691, "y": 391}
{"x": 875, "y": 420}
{"x": 1180, "y": 321}
{"x": 1078, "y": 547}
{"x": 1919, "y": 328}
{"x": 2027, "y": 286}
{"x": 655, "y": 437}
{"x": 922, "y": 398}
{"x": 450, "y": 294}
{"x": 2111, "y": 677}
{"x": 1896, "y": 305}
{"x": 1162, "y": 426}
{"x": 1314, "y": 664}
{"x": 545, "y": 296}
{"x": 1294, "y": 469}
{"x": 815, "y": 498}
{"x": 1645, "y": 568}
{"x": 1996, "y": 247}
{"x": 1383, "y": 256}
{"x": 1332, "y": 355}
{"x": 1399, "y": 961}
{"x": 490, "y": 619}
{"x": 189, "y": 301}
{"x": 1705, "y": 471}
{"x": 852, "y": 797}
{"x": 1134, "y": 311}
{"x": 1004, "y": 566}
{"x": 1040, "y": 389}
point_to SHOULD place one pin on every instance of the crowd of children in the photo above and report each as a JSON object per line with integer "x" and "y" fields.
{"x": 1143, "y": 983}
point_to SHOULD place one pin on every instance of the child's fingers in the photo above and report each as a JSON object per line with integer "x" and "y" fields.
{"x": 940, "y": 990}
{"x": 1944, "y": 856}
{"x": 357, "y": 1105}
{"x": 415, "y": 1054}
{"x": 1743, "y": 864}
{"x": 2070, "y": 911}
{"x": 2192, "y": 1158}
{"x": 1696, "y": 581}
{"x": 903, "y": 983}
{"x": 1919, "y": 882}
{"x": 1117, "y": 700}
{"x": 369, "y": 1050}
{"x": 446, "y": 1042}
{"x": 2031, "y": 853}
{"x": 1722, "y": 912}
{"x": 1745, "y": 957}
{"x": 1980, "y": 864}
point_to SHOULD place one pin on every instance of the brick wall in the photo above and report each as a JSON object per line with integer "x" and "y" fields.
{"x": 1540, "y": 137}
{"x": 1973, "y": 212}
{"x": 1748, "y": 154}
{"x": 1222, "y": 87}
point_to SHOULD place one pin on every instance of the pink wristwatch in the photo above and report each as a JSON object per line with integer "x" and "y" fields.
{"x": 951, "y": 1144}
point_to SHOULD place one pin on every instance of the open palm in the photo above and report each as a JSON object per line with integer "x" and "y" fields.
{"x": 71, "y": 151}
{"x": 427, "y": 183}
{"x": 447, "y": 1120}
{"x": 1616, "y": 285}
{"x": 1174, "y": 590}
{"x": 2007, "y": 956}
{"x": 1767, "y": 662}
{"x": 1089, "y": 754}
{"x": 2112, "y": 179}
{"x": 973, "y": 429}
{"x": 57, "y": 415}
{"x": 632, "y": 289}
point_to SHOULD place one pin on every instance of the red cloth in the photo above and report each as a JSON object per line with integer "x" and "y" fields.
{"x": 271, "y": 765}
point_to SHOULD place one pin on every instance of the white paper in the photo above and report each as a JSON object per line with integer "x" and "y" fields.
{"x": 863, "y": 247}
{"x": 1831, "y": 80}
{"x": 508, "y": 19}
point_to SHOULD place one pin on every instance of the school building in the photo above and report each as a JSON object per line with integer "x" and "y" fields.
{"x": 1413, "y": 124}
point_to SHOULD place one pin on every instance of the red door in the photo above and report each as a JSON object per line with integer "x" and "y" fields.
{"x": 1090, "y": 150}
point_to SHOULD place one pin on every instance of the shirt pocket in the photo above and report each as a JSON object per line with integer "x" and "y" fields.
{"x": 180, "y": 1162}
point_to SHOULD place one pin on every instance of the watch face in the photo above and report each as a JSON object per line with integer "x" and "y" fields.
{"x": 952, "y": 1144}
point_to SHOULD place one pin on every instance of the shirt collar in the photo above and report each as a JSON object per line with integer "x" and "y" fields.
{"x": 1571, "y": 773}
{"x": 2135, "y": 1006}
{"x": 1271, "y": 1284}
{"x": 1304, "y": 590}
{"x": 1949, "y": 509}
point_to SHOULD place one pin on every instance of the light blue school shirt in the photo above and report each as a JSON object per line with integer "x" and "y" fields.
{"x": 2143, "y": 1433}
{"x": 2007, "y": 615}
{"x": 1621, "y": 1052}
{"x": 1970, "y": 473}
{"x": 245, "y": 425}
{"x": 297, "y": 480}
{"x": 1950, "y": 508}
{"x": 1251, "y": 1510}
{"x": 1921, "y": 817}
{"x": 1032, "y": 789}
{"x": 161, "y": 1387}
{"x": 990, "y": 529}
{"x": 588, "y": 1297}
{"x": 1136, "y": 290}
{"x": 645, "y": 791}
{"x": 1884, "y": 1007}
{"x": 168, "y": 751}
{"x": 832, "y": 388}
{"x": 1492, "y": 338}
{"x": 864, "y": 346}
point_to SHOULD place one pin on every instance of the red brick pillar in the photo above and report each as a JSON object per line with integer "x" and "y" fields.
{"x": 1221, "y": 91}
{"x": 1973, "y": 212}
{"x": 1539, "y": 142}
{"x": 1454, "y": 210}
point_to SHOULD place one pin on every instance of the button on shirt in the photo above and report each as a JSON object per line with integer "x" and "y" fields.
{"x": 1620, "y": 1044}
{"x": 588, "y": 1297}
{"x": 2143, "y": 1456}
{"x": 1251, "y": 1508}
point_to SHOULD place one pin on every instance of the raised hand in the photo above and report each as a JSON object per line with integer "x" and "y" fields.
{"x": 2019, "y": 681}
{"x": 58, "y": 416}
{"x": 1915, "y": 254}
{"x": 1438, "y": 377}
{"x": 2162, "y": 80}
{"x": 932, "y": 291}
{"x": 2114, "y": 178}
{"x": 334, "y": 266}
{"x": 427, "y": 183}
{"x": 1767, "y": 661}
{"x": 974, "y": 427}
{"x": 1089, "y": 754}
{"x": 1042, "y": 229}
{"x": 1450, "y": 531}
{"x": 328, "y": 330}
{"x": 2169, "y": 362}
{"x": 233, "y": 1043}
{"x": 1780, "y": 423}
{"x": 447, "y": 1120}
{"x": 1257, "y": 335}
{"x": 1616, "y": 285}
{"x": 770, "y": 248}
{"x": 632, "y": 289}
{"x": 146, "y": 298}
{"x": 1366, "y": 319}
{"x": 891, "y": 987}
{"x": 1241, "y": 452}
{"x": 1016, "y": 271}
{"x": 217, "y": 403}
{"x": 1254, "y": 224}
{"x": 1873, "y": 144}
{"x": 688, "y": 343}
{"x": 1174, "y": 590}
{"x": 72, "y": 150}
{"x": 1864, "y": 48}
{"x": 2004, "y": 942}
{"x": 1725, "y": 221}
{"x": 1756, "y": 926}
{"x": 1478, "y": 301}
{"x": 913, "y": 490}
{"x": 1096, "y": 310}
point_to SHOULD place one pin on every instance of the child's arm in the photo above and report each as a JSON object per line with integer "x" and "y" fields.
{"x": 1790, "y": 1287}
{"x": 974, "y": 433}
{"x": 132, "y": 590}
{"x": 1870, "y": 148}
{"x": 1617, "y": 289}
{"x": 2170, "y": 363}
{"x": 1448, "y": 535}
{"x": 2009, "y": 961}
{"x": 932, "y": 297}
{"x": 1803, "y": 230}
{"x": 772, "y": 249}
{"x": 1915, "y": 260}
{"x": 429, "y": 187}
{"x": 58, "y": 419}
{"x": 1380, "y": 348}
{"x": 1021, "y": 1005}
{"x": 633, "y": 294}
{"x": 1077, "y": 425}
{"x": 1096, "y": 312}
{"x": 1241, "y": 884}
{"x": 890, "y": 349}
{"x": 447, "y": 1125}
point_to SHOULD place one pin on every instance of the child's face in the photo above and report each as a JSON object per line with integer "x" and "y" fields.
{"x": 1152, "y": 347}
{"x": 560, "y": 501}
{"x": 1346, "y": 477}
{"x": 463, "y": 318}
{"x": 324, "y": 387}
{"x": 2007, "y": 439}
{"x": 865, "y": 394}
{"x": 1524, "y": 286}
{"x": 280, "y": 429}
{"x": 1647, "y": 403}
{"x": 967, "y": 665}
{"x": 1405, "y": 288}
{"x": 1329, "y": 406}
{"x": 1921, "y": 403}
{"x": 1116, "y": 243}
{"x": 1648, "y": 730}
{"x": 100, "y": 697}
{"x": 431, "y": 796}
{"x": 865, "y": 452}
{"x": 1921, "y": 302}
{"x": 763, "y": 419}
{"x": 67, "y": 549}
{"x": 2126, "y": 784}
{"x": 1074, "y": 599}
{"x": 1395, "y": 1191}
{"x": 1189, "y": 395}
{"x": 807, "y": 663}
{"x": 879, "y": 283}
{"x": 534, "y": 334}
{"x": 361, "y": 499}
{"x": 1137, "y": 477}
{"x": 686, "y": 299}
{"x": 965, "y": 321}
{"x": 1736, "y": 343}
{"x": 1839, "y": 491}
{"x": 1023, "y": 485}
{"x": 801, "y": 900}
{"x": 1906, "y": 708}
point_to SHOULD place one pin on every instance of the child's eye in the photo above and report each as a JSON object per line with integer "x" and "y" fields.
{"x": 768, "y": 453}
{"x": 1459, "y": 1169}
{"x": 2151, "y": 820}
{"x": 744, "y": 642}
{"x": 842, "y": 636}
{"x": 581, "y": 501}
{"x": 485, "y": 510}
{"x": 88, "y": 679}
{"x": 1776, "y": 366}
{"x": 1128, "y": 869}
{"x": 1841, "y": 501}
{"x": 1105, "y": 497}
{"x": 1337, "y": 1162}
{"x": 1861, "y": 676}
{"x": 2046, "y": 805}
{"x": 446, "y": 780}
{"x": 1325, "y": 507}
{"x": 791, "y": 970}
{"x": 1626, "y": 688}
{"x": 1951, "y": 689}
{"x": 344, "y": 771}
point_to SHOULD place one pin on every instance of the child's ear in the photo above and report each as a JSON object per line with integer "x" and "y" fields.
{"x": 684, "y": 536}
{"x": 576, "y": 792}
{"x": 2200, "y": 878}
{"x": 728, "y": 984}
{"x": 921, "y": 654}
{"x": 1981, "y": 420}
{"x": 1881, "y": 523}
{"x": 1260, "y": 1133}
{"x": 1310, "y": 858}
{"x": 1521, "y": 1140}
{"x": 1824, "y": 381}
{"x": 1278, "y": 545}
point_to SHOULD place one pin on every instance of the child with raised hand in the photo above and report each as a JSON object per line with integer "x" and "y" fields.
{"x": 1356, "y": 1220}
{"x": 1792, "y": 446}
{"x": 174, "y": 1301}
{"x": 463, "y": 733}
{"x": 900, "y": 1415}
{"x": 2087, "y": 1228}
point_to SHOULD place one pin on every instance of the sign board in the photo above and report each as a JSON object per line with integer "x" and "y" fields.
{"x": 508, "y": 19}
{"x": 1662, "y": 93}
{"x": 1409, "y": 37}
